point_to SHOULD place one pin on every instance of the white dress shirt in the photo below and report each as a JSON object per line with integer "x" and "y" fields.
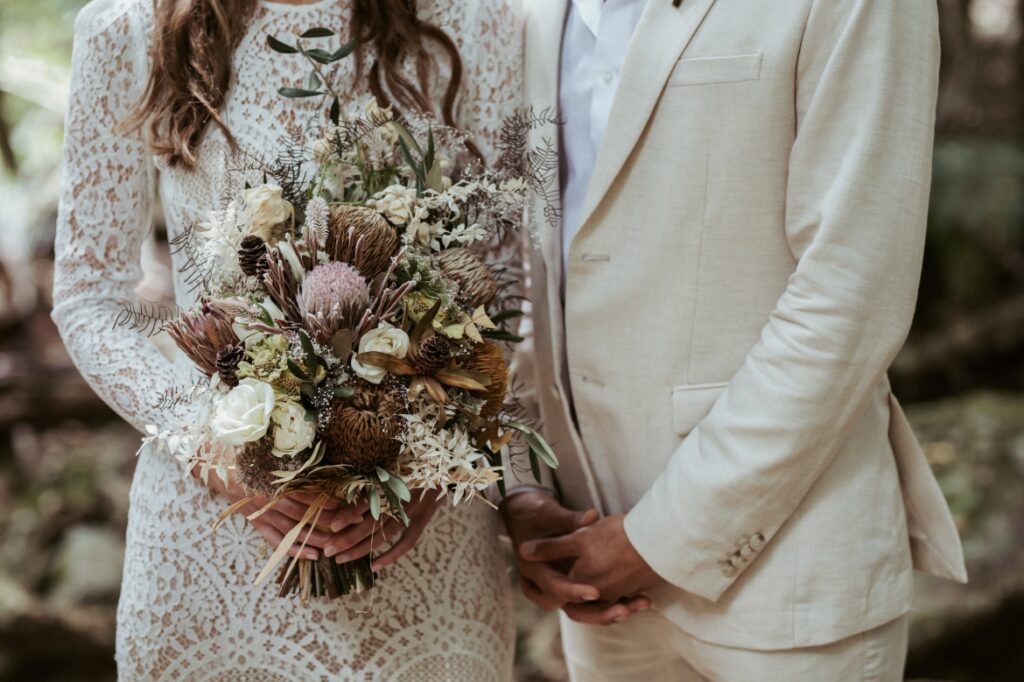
{"x": 594, "y": 45}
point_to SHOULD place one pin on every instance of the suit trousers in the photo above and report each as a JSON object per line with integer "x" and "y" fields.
{"x": 649, "y": 648}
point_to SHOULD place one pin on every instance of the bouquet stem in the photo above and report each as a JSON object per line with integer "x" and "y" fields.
{"x": 326, "y": 578}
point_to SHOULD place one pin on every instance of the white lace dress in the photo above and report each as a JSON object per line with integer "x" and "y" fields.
{"x": 188, "y": 610}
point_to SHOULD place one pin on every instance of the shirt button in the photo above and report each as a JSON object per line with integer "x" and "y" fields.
{"x": 608, "y": 76}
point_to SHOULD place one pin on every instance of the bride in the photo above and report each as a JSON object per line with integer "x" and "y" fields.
{"x": 164, "y": 95}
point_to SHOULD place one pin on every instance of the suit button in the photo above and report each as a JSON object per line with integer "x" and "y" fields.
{"x": 757, "y": 542}
{"x": 737, "y": 561}
{"x": 747, "y": 551}
{"x": 729, "y": 571}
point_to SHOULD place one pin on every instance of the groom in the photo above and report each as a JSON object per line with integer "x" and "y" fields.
{"x": 744, "y": 186}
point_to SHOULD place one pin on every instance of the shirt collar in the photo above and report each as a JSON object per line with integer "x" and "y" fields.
{"x": 590, "y": 13}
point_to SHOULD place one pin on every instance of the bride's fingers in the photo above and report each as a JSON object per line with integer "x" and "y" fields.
{"x": 348, "y": 515}
{"x": 312, "y": 538}
{"x": 350, "y": 537}
{"x": 309, "y": 498}
{"x": 274, "y": 539}
{"x": 392, "y": 531}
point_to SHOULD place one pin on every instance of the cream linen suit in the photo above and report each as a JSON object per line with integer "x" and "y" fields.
{"x": 745, "y": 271}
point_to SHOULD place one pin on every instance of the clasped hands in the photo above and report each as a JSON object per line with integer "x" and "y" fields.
{"x": 345, "y": 532}
{"x": 576, "y": 561}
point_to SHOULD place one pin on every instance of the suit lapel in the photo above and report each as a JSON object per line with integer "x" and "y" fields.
{"x": 544, "y": 27}
{"x": 663, "y": 33}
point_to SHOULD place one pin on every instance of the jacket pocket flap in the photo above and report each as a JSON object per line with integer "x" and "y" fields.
{"x": 705, "y": 70}
{"x": 693, "y": 402}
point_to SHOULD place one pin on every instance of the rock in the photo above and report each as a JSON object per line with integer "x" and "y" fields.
{"x": 88, "y": 566}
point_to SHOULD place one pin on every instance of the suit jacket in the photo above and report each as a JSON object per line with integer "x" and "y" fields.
{"x": 745, "y": 272}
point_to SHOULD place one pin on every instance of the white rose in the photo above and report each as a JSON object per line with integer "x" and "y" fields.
{"x": 243, "y": 415}
{"x": 384, "y": 339}
{"x": 396, "y": 203}
{"x": 266, "y": 212}
{"x": 293, "y": 432}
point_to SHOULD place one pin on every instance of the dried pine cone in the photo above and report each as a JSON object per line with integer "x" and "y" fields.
{"x": 476, "y": 284}
{"x": 362, "y": 430}
{"x": 431, "y": 355}
{"x": 228, "y": 358}
{"x": 489, "y": 360}
{"x": 251, "y": 256}
{"x": 362, "y": 237}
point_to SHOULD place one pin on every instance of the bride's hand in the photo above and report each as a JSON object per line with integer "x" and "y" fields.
{"x": 278, "y": 521}
{"x": 356, "y": 541}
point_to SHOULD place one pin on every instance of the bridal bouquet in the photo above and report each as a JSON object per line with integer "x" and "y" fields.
{"x": 348, "y": 333}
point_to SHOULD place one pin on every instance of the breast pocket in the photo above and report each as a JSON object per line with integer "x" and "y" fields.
{"x": 692, "y": 402}
{"x": 707, "y": 70}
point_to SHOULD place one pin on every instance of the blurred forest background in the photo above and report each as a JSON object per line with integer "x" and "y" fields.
{"x": 66, "y": 460}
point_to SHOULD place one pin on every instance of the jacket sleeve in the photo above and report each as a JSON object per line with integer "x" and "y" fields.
{"x": 856, "y": 210}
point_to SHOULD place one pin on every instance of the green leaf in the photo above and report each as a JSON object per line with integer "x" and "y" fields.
{"x": 312, "y": 361}
{"x": 383, "y": 475}
{"x": 318, "y": 32}
{"x": 396, "y": 506}
{"x": 398, "y": 486}
{"x": 535, "y": 465}
{"x": 501, "y": 335}
{"x": 509, "y": 314}
{"x": 313, "y": 81}
{"x": 295, "y": 93}
{"x": 344, "y": 392}
{"x": 307, "y": 390}
{"x": 536, "y": 443}
{"x": 318, "y": 55}
{"x": 297, "y": 371}
{"x": 335, "y": 111}
{"x": 277, "y": 46}
{"x": 374, "y": 503}
{"x": 428, "y": 160}
{"x": 344, "y": 51}
{"x": 265, "y": 317}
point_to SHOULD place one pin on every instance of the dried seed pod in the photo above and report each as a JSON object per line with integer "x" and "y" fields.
{"x": 252, "y": 256}
{"x": 363, "y": 429}
{"x": 476, "y": 284}
{"x": 362, "y": 237}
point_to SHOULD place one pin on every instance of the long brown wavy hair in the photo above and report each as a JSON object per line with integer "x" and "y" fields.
{"x": 194, "y": 43}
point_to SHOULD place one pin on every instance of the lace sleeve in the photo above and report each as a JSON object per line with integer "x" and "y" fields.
{"x": 105, "y": 214}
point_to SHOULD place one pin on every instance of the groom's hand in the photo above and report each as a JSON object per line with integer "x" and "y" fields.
{"x": 531, "y": 516}
{"x": 602, "y": 556}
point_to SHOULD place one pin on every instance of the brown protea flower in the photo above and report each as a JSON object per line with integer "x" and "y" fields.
{"x": 363, "y": 237}
{"x": 363, "y": 429}
{"x": 431, "y": 355}
{"x": 203, "y": 334}
{"x": 489, "y": 360}
{"x": 228, "y": 358}
{"x": 252, "y": 256}
{"x": 256, "y": 463}
{"x": 332, "y": 297}
{"x": 476, "y": 284}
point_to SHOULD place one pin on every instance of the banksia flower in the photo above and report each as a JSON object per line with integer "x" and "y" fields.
{"x": 489, "y": 360}
{"x": 363, "y": 237}
{"x": 476, "y": 284}
{"x": 228, "y": 358}
{"x": 256, "y": 463}
{"x": 333, "y": 297}
{"x": 363, "y": 430}
{"x": 203, "y": 334}
{"x": 431, "y": 355}
{"x": 252, "y": 256}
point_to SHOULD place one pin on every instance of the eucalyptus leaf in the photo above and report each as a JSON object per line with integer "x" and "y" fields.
{"x": 383, "y": 475}
{"x": 295, "y": 93}
{"x": 501, "y": 335}
{"x": 313, "y": 81}
{"x": 374, "y": 503}
{"x": 277, "y": 46}
{"x": 396, "y": 506}
{"x": 318, "y": 32}
{"x": 399, "y": 487}
{"x": 318, "y": 55}
{"x": 535, "y": 465}
{"x": 344, "y": 51}
{"x": 344, "y": 392}
{"x": 335, "y": 111}
{"x": 509, "y": 314}
{"x": 297, "y": 371}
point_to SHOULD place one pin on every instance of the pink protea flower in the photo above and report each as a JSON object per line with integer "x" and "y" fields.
{"x": 333, "y": 296}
